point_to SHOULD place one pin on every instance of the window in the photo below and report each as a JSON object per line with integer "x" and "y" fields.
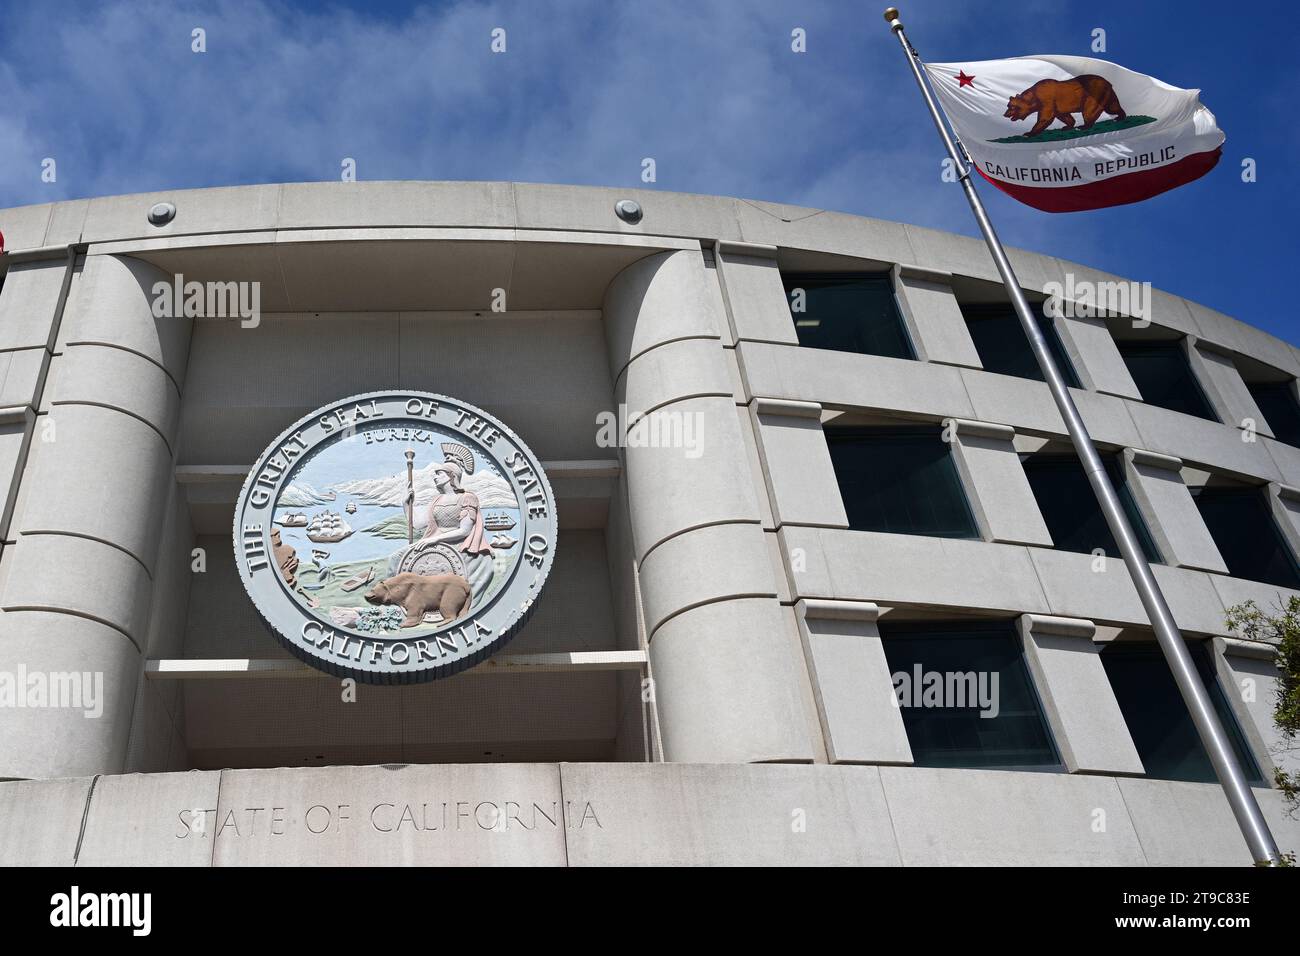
{"x": 947, "y": 676}
{"x": 1157, "y": 719}
{"x": 1277, "y": 401}
{"x": 901, "y": 480}
{"x": 1164, "y": 377}
{"x": 1070, "y": 509}
{"x": 848, "y": 313}
{"x": 1248, "y": 538}
{"x": 1003, "y": 347}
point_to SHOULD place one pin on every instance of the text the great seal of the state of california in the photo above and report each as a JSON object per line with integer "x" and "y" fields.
{"x": 395, "y": 537}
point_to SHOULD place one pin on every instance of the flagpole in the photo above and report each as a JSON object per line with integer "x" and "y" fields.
{"x": 1208, "y": 727}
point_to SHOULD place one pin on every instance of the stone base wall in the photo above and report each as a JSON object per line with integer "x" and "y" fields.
{"x": 621, "y": 814}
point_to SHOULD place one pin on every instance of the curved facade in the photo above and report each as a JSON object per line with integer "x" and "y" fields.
{"x": 721, "y": 601}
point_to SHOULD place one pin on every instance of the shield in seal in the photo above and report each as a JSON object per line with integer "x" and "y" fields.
{"x": 359, "y": 535}
{"x": 433, "y": 559}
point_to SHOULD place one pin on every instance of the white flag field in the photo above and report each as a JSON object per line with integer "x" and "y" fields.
{"x": 1069, "y": 133}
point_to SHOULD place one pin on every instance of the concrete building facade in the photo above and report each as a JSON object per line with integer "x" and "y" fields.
{"x": 708, "y": 677}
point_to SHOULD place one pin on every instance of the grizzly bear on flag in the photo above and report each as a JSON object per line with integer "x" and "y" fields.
{"x": 1089, "y": 94}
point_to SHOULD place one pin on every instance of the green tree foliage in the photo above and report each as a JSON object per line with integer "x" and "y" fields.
{"x": 1283, "y": 631}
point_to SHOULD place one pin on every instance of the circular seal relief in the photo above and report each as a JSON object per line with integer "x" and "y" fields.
{"x": 395, "y": 537}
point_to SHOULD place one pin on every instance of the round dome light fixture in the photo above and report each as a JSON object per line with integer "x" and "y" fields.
{"x": 161, "y": 213}
{"x": 629, "y": 210}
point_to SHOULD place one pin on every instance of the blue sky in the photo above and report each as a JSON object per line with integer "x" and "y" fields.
{"x": 709, "y": 88}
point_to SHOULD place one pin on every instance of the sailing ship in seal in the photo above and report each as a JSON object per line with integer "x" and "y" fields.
{"x": 498, "y": 521}
{"x": 328, "y": 527}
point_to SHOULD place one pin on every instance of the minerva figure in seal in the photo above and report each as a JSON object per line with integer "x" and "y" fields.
{"x": 454, "y": 541}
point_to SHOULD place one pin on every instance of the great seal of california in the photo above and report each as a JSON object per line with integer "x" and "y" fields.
{"x": 395, "y": 537}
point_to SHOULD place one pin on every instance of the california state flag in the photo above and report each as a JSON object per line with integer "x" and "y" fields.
{"x": 1067, "y": 133}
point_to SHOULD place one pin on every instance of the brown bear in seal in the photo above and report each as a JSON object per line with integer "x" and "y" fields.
{"x": 1089, "y": 94}
{"x": 417, "y": 594}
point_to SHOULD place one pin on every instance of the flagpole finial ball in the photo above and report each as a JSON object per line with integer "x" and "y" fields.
{"x": 891, "y": 14}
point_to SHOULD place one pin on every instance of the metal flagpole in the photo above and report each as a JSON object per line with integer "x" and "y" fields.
{"x": 1242, "y": 800}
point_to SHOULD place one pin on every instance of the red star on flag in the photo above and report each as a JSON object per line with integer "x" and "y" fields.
{"x": 964, "y": 80}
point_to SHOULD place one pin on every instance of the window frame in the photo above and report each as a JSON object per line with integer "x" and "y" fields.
{"x": 982, "y": 312}
{"x": 904, "y": 631}
{"x": 791, "y": 280}
{"x": 1119, "y": 480}
{"x": 1178, "y": 350}
{"x": 1261, "y": 496}
{"x": 832, "y": 434}
{"x": 1292, "y": 425}
{"x": 1204, "y": 660}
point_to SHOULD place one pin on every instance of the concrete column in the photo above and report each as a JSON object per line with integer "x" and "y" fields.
{"x": 933, "y": 318}
{"x": 999, "y": 493}
{"x": 1224, "y": 387}
{"x": 856, "y": 702}
{"x": 77, "y": 583}
{"x": 1284, "y": 503}
{"x": 797, "y": 464}
{"x": 1077, "y": 698}
{"x": 753, "y": 293}
{"x": 1247, "y": 672}
{"x": 1171, "y": 515}
{"x": 730, "y": 682}
{"x": 1095, "y": 356}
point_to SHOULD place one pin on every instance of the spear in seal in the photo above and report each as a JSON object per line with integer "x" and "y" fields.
{"x": 410, "y": 496}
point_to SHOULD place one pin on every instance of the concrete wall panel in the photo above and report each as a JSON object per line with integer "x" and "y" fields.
{"x": 726, "y": 680}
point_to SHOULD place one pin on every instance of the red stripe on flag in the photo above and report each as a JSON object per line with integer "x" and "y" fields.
{"x": 1116, "y": 191}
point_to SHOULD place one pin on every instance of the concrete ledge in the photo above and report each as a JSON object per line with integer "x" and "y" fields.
{"x": 212, "y": 214}
{"x": 966, "y": 426}
{"x": 1153, "y": 459}
{"x": 759, "y": 250}
{"x": 243, "y": 668}
{"x": 1062, "y": 626}
{"x": 1241, "y": 648}
{"x": 1285, "y": 492}
{"x": 838, "y": 610}
{"x": 787, "y": 408}
{"x": 14, "y": 414}
{"x": 586, "y": 814}
{"x": 908, "y": 271}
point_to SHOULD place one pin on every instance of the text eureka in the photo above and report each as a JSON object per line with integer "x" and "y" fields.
{"x": 440, "y": 816}
{"x": 419, "y": 650}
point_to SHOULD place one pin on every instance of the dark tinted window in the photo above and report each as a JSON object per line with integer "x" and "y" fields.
{"x": 1247, "y": 536}
{"x": 966, "y": 658}
{"x": 1164, "y": 378}
{"x": 901, "y": 480}
{"x": 848, "y": 313}
{"x": 1277, "y": 401}
{"x": 1070, "y": 509}
{"x": 1157, "y": 718}
{"x": 1003, "y": 347}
